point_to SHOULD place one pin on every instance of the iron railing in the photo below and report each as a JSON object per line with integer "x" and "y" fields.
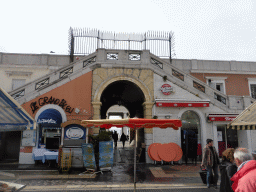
{"x": 86, "y": 41}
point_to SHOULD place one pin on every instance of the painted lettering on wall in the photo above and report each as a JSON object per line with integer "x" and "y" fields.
{"x": 45, "y": 100}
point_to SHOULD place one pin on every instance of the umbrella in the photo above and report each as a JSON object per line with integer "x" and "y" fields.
{"x": 134, "y": 123}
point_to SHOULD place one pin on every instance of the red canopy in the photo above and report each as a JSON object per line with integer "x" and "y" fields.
{"x": 133, "y": 123}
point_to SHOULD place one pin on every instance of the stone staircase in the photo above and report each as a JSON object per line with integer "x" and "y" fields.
{"x": 103, "y": 58}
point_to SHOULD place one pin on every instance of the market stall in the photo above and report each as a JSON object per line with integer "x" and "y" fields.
{"x": 134, "y": 123}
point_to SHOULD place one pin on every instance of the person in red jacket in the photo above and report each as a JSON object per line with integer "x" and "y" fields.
{"x": 245, "y": 177}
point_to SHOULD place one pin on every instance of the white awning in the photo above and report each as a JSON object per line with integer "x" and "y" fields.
{"x": 12, "y": 116}
{"x": 246, "y": 120}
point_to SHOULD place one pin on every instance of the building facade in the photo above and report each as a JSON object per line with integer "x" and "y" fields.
{"x": 205, "y": 95}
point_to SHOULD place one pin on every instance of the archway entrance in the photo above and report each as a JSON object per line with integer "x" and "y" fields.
{"x": 123, "y": 93}
{"x": 190, "y": 136}
{"x": 129, "y": 95}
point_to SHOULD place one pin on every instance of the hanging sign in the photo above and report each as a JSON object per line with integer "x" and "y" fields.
{"x": 106, "y": 154}
{"x": 166, "y": 89}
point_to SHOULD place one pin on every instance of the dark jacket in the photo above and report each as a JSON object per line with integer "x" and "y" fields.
{"x": 123, "y": 137}
{"x": 207, "y": 156}
{"x": 115, "y": 136}
{"x": 227, "y": 171}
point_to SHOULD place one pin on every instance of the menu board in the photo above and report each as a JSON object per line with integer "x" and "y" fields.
{"x": 106, "y": 154}
{"x": 88, "y": 156}
{"x": 29, "y": 138}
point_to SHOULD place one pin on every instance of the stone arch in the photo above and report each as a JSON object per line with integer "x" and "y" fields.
{"x": 147, "y": 105}
{"x": 140, "y": 84}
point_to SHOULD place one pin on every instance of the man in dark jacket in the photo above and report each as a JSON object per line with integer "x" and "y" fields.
{"x": 123, "y": 139}
{"x": 210, "y": 161}
{"x": 115, "y": 138}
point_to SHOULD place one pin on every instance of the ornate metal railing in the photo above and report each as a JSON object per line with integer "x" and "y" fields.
{"x": 157, "y": 63}
{"x": 199, "y": 86}
{"x": 42, "y": 83}
{"x": 178, "y": 75}
{"x": 66, "y": 72}
{"x": 220, "y": 98}
{"x": 19, "y": 94}
{"x": 89, "y": 61}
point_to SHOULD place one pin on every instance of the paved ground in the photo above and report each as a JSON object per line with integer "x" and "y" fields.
{"x": 148, "y": 177}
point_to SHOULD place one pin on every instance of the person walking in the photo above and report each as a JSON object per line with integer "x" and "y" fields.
{"x": 227, "y": 169}
{"x": 210, "y": 161}
{"x": 123, "y": 139}
{"x": 115, "y": 138}
{"x": 245, "y": 177}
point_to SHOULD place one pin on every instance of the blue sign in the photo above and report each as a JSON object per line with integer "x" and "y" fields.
{"x": 50, "y": 117}
{"x": 88, "y": 156}
{"x": 106, "y": 154}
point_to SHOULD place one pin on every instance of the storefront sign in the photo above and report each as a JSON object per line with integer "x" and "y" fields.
{"x": 45, "y": 100}
{"x": 166, "y": 89}
{"x": 74, "y": 133}
{"x": 222, "y": 117}
{"x": 182, "y": 104}
{"x": 47, "y": 121}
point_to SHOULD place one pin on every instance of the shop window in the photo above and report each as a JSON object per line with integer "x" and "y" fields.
{"x": 253, "y": 91}
{"x": 252, "y": 87}
{"x": 16, "y": 83}
{"x": 227, "y": 138}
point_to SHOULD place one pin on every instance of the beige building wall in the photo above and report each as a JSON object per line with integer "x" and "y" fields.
{"x": 28, "y": 67}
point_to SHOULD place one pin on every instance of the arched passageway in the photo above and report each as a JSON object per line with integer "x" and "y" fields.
{"x": 123, "y": 93}
{"x": 127, "y": 94}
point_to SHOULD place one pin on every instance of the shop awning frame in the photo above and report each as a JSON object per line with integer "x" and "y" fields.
{"x": 245, "y": 120}
{"x": 134, "y": 123}
{"x": 12, "y": 116}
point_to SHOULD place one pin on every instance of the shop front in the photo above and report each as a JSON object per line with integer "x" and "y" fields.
{"x": 15, "y": 123}
{"x": 49, "y": 136}
{"x": 226, "y": 138}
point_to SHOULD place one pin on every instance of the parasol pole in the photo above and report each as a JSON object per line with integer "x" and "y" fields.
{"x": 135, "y": 159}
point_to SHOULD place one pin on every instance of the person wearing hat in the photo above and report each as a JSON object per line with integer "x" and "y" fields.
{"x": 210, "y": 161}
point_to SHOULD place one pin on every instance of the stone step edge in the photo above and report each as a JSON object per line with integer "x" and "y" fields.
{"x": 116, "y": 186}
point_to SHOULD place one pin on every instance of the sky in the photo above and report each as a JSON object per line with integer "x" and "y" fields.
{"x": 203, "y": 29}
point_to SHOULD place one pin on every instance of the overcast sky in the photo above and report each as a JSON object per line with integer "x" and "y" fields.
{"x": 203, "y": 29}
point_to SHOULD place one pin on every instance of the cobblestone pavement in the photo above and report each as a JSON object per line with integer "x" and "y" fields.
{"x": 148, "y": 176}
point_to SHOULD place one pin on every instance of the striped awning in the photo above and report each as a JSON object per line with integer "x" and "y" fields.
{"x": 12, "y": 116}
{"x": 245, "y": 120}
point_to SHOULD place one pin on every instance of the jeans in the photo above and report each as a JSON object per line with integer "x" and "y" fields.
{"x": 209, "y": 173}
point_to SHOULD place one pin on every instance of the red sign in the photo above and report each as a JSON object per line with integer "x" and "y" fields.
{"x": 182, "y": 104}
{"x": 221, "y": 118}
{"x": 166, "y": 89}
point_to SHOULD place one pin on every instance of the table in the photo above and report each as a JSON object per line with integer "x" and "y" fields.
{"x": 38, "y": 154}
{"x": 50, "y": 156}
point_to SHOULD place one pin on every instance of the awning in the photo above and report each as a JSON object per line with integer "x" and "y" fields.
{"x": 12, "y": 116}
{"x": 181, "y": 103}
{"x": 222, "y": 117}
{"x": 134, "y": 123}
{"x": 246, "y": 120}
{"x": 50, "y": 118}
